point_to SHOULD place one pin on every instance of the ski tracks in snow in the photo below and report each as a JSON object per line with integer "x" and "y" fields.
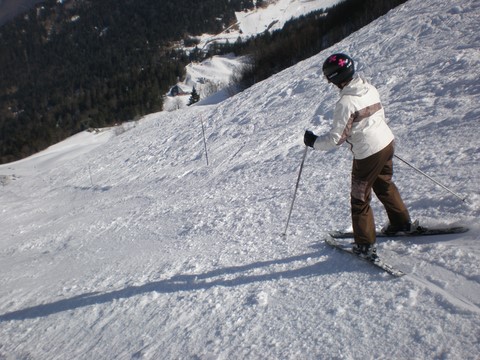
{"x": 442, "y": 265}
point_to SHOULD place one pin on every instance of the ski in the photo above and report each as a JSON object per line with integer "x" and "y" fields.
{"x": 420, "y": 232}
{"x": 379, "y": 263}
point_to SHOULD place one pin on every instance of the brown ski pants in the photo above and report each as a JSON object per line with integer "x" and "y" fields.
{"x": 375, "y": 172}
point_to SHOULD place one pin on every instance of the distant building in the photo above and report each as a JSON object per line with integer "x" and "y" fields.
{"x": 177, "y": 90}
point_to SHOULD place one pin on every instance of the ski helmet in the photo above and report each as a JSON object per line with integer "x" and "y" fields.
{"x": 339, "y": 68}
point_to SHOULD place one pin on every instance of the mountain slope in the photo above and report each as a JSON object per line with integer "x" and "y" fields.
{"x": 139, "y": 250}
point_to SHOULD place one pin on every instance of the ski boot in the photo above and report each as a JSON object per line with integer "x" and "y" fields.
{"x": 367, "y": 251}
{"x": 408, "y": 228}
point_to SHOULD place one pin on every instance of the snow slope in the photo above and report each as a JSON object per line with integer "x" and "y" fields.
{"x": 138, "y": 250}
{"x": 65, "y": 151}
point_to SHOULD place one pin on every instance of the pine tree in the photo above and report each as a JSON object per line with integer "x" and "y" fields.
{"x": 194, "y": 97}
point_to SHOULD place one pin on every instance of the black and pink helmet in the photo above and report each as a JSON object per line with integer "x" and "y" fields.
{"x": 339, "y": 68}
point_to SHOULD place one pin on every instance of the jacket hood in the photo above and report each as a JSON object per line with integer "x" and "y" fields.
{"x": 357, "y": 87}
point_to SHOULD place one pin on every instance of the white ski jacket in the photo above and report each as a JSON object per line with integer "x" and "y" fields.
{"x": 359, "y": 120}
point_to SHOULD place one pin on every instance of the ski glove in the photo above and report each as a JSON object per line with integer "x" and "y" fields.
{"x": 309, "y": 138}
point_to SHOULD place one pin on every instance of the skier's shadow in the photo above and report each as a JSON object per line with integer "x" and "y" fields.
{"x": 227, "y": 277}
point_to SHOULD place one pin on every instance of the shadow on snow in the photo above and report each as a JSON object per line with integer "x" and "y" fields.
{"x": 178, "y": 283}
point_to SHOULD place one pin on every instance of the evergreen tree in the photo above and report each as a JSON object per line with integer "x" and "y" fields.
{"x": 194, "y": 98}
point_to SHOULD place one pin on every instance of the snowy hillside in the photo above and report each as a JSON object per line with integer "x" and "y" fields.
{"x": 139, "y": 250}
{"x": 216, "y": 74}
{"x": 276, "y": 14}
{"x": 269, "y": 18}
{"x": 211, "y": 79}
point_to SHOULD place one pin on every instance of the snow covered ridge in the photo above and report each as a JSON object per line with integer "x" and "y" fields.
{"x": 138, "y": 250}
{"x": 269, "y": 18}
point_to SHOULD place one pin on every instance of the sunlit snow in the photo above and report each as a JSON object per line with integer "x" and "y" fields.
{"x": 124, "y": 244}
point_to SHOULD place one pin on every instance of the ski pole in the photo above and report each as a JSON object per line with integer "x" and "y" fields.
{"x": 296, "y": 188}
{"x": 432, "y": 179}
{"x": 204, "y": 139}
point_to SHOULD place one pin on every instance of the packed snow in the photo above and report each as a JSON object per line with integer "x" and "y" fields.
{"x": 126, "y": 245}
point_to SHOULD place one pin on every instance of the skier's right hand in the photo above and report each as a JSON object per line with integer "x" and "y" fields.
{"x": 309, "y": 138}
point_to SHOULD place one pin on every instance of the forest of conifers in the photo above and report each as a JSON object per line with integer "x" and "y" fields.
{"x": 66, "y": 67}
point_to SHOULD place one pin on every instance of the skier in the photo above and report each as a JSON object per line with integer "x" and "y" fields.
{"x": 359, "y": 120}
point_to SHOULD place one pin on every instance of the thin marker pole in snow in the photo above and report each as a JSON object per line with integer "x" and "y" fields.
{"x": 204, "y": 140}
{"x": 432, "y": 179}
{"x": 90, "y": 172}
{"x": 296, "y": 188}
